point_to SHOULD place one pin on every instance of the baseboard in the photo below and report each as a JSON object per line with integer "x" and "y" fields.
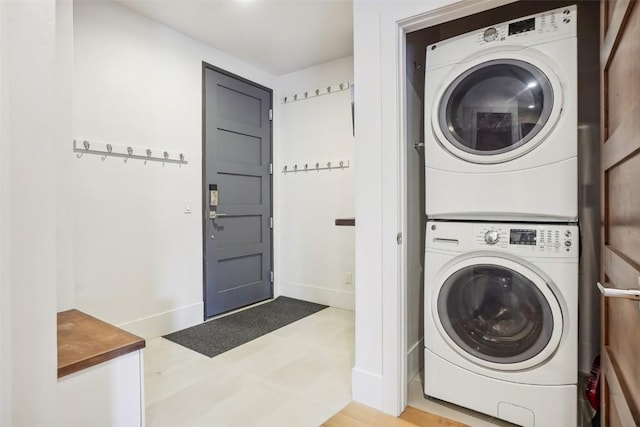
{"x": 331, "y": 297}
{"x": 167, "y": 322}
{"x": 415, "y": 359}
{"x": 367, "y": 388}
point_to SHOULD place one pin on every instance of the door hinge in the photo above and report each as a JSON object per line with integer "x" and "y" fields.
{"x": 271, "y": 276}
{"x": 399, "y": 238}
{"x": 270, "y": 168}
{"x": 270, "y": 222}
{"x": 270, "y": 113}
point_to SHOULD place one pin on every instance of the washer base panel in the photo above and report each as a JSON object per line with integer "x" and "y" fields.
{"x": 522, "y": 404}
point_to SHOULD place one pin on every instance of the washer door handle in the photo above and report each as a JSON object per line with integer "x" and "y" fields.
{"x": 632, "y": 294}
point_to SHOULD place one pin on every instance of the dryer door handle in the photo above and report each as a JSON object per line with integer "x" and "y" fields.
{"x": 632, "y": 294}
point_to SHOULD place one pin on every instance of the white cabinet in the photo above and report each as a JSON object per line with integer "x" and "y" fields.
{"x": 110, "y": 394}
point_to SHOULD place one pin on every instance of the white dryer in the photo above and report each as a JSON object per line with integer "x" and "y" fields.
{"x": 501, "y": 317}
{"x": 501, "y": 122}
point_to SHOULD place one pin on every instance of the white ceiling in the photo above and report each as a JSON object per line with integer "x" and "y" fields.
{"x": 278, "y": 36}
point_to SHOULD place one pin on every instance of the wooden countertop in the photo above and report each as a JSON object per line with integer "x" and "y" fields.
{"x": 84, "y": 341}
{"x": 346, "y": 221}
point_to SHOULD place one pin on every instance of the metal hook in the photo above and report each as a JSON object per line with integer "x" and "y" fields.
{"x": 130, "y": 150}
{"x": 165, "y": 155}
{"x": 148, "y": 152}
{"x": 109, "y": 148}
{"x": 181, "y": 157}
{"x": 86, "y": 144}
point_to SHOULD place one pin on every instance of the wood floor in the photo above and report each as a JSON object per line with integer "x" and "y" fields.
{"x": 357, "y": 415}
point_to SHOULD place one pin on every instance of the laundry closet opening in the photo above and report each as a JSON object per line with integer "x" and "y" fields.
{"x": 588, "y": 164}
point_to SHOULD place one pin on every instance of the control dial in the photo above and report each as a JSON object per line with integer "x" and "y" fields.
{"x": 490, "y": 34}
{"x": 491, "y": 237}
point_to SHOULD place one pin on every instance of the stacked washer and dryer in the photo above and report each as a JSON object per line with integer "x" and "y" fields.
{"x": 501, "y": 256}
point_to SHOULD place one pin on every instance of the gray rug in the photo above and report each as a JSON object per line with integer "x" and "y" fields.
{"x": 217, "y": 336}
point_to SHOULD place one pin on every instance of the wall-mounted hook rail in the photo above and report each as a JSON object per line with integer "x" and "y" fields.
{"x": 315, "y": 166}
{"x": 82, "y": 146}
{"x": 316, "y": 92}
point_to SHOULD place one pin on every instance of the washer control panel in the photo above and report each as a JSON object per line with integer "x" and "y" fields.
{"x": 527, "y": 239}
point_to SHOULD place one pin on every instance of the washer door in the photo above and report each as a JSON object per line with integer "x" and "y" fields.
{"x": 497, "y": 313}
{"x": 497, "y": 108}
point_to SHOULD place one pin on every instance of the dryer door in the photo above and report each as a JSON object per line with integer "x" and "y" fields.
{"x": 498, "y": 313}
{"x": 495, "y": 110}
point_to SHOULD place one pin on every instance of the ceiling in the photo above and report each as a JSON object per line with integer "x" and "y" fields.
{"x": 278, "y": 36}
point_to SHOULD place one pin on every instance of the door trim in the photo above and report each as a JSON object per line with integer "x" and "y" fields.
{"x": 207, "y": 66}
{"x": 390, "y": 392}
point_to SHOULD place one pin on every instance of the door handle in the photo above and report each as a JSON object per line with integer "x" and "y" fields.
{"x": 632, "y": 294}
{"x": 214, "y": 214}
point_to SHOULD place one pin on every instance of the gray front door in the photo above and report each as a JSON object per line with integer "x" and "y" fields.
{"x": 236, "y": 158}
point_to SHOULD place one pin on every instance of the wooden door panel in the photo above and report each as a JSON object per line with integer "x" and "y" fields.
{"x": 617, "y": 410}
{"x": 624, "y": 74}
{"x": 611, "y": 6}
{"x": 620, "y": 112}
{"x": 621, "y": 144}
{"x": 624, "y": 216}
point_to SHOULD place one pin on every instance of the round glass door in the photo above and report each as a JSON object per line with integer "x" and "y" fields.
{"x": 495, "y": 314}
{"x": 495, "y": 107}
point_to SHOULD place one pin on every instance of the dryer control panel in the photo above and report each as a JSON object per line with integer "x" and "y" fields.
{"x": 532, "y": 30}
{"x": 537, "y": 240}
{"x": 534, "y": 27}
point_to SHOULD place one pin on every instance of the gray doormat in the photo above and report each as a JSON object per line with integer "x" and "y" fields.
{"x": 217, "y": 336}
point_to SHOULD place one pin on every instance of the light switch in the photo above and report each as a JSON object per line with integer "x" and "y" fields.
{"x": 348, "y": 278}
{"x": 187, "y": 206}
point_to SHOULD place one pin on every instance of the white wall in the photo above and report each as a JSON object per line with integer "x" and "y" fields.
{"x": 312, "y": 254}
{"x": 138, "y": 257}
{"x": 5, "y": 279}
{"x": 28, "y": 215}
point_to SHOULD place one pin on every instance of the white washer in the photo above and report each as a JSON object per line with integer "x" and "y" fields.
{"x": 501, "y": 316}
{"x": 501, "y": 122}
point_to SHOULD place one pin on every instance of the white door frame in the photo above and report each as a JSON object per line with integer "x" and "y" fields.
{"x": 396, "y": 20}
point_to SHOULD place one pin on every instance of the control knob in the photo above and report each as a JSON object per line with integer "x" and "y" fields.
{"x": 490, "y": 34}
{"x": 491, "y": 237}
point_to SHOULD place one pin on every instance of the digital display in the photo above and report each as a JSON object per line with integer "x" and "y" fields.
{"x": 522, "y": 26}
{"x": 522, "y": 237}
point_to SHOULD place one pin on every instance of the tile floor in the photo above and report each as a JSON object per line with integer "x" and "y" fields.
{"x": 299, "y": 375}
